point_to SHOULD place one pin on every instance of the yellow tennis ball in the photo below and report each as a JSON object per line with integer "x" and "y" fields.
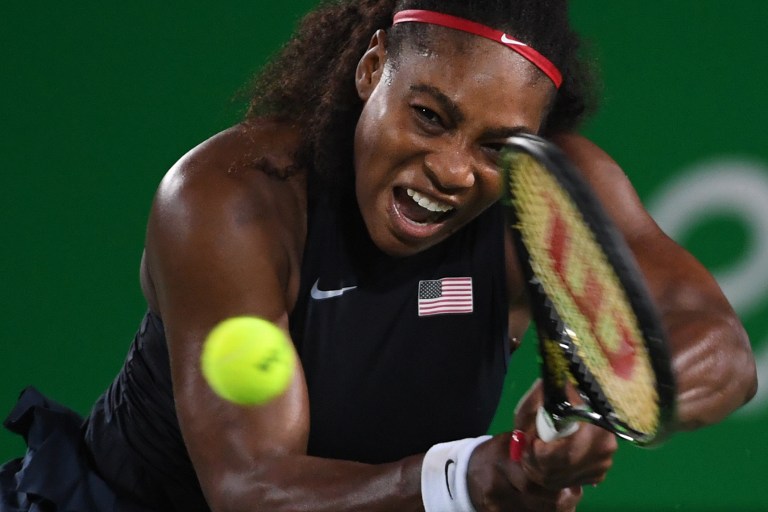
{"x": 248, "y": 360}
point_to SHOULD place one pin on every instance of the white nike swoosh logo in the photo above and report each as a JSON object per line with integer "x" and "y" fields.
{"x": 318, "y": 294}
{"x": 507, "y": 40}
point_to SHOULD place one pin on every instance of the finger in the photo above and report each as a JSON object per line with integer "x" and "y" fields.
{"x": 517, "y": 445}
{"x": 561, "y": 500}
{"x": 569, "y": 498}
{"x": 583, "y": 459}
{"x": 530, "y": 463}
{"x": 525, "y": 411}
{"x": 549, "y": 466}
{"x": 593, "y": 454}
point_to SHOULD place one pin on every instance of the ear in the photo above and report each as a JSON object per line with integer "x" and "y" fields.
{"x": 371, "y": 65}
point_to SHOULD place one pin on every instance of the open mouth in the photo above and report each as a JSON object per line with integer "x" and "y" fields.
{"x": 421, "y": 209}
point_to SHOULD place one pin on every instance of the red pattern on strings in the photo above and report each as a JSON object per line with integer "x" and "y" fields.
{"x": 589, "y": 300}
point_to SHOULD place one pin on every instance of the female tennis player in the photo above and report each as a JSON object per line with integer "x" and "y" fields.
{"x": 357, "y": 207}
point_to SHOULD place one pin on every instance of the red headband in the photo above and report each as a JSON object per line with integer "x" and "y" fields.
{"x": 446, "y": 20}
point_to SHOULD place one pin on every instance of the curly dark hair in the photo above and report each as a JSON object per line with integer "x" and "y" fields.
{"x": 310, "y": 82}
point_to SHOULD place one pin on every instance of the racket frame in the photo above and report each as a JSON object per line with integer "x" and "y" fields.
{"x": 556, "y": 337}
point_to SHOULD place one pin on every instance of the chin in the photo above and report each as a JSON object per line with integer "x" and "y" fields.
{"x": 391, "y": 245}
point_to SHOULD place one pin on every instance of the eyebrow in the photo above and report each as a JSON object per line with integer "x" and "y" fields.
{"x": 504, "y": 132}
{"x": 457, "y": 115}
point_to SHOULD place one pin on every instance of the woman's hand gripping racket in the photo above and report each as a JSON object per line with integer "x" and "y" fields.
{"x": 596, "y": 324}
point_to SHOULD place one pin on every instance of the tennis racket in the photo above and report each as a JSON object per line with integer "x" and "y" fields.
{"x": 596, "y": 325}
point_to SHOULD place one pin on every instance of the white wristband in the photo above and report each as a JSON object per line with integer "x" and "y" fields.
{"x": 444, "y": 476}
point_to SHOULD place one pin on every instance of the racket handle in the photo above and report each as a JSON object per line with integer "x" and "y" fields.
{"x": 545, "y": 426}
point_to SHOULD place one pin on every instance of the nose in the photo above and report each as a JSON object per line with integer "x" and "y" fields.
{"x": 451, "y": 169}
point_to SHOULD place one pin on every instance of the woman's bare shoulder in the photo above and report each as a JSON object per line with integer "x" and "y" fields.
{"x": 238, "y": 192}
{"x": 261, "y": 145}
{"x": 248, "y": 169}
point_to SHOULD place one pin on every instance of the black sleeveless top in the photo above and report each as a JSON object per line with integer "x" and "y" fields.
{"x": 399, "y": 354}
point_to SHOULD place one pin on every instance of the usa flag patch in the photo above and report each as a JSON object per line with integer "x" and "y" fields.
{"x": 447, "y": 296}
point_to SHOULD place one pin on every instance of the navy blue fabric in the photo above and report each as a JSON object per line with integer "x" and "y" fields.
{"x": 55, "y": 474}
{"x": 126, "y": 456}
{"x": 133, "y": 432}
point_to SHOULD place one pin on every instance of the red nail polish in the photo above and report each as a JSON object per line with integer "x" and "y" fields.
{"x": 516, "y": 445}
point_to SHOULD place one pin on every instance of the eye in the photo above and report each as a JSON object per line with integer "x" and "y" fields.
{"x": 493, "y": 147}
{"x": 493, "y": 152}
{"x": 428, "y": 115}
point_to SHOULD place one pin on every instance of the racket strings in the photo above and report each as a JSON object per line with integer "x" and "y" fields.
{"x": 586, "y": 292}
{"x": 558, "y": 366}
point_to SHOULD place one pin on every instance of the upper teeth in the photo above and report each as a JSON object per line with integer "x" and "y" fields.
{"x": 428, "y": 203}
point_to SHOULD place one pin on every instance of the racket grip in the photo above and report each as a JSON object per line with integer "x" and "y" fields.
{"x": 545, "y": 427}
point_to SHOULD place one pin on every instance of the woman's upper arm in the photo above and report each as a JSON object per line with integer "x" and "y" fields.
{"x": 665, "y": 264}
{"x": 219, "y": 244}
{"x": 711, "y": 351}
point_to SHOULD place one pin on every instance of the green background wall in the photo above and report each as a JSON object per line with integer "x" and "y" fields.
{"x": 97, "y": 101}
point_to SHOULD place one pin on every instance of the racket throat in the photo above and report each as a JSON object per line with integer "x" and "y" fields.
{"x": 552, "y": 426}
